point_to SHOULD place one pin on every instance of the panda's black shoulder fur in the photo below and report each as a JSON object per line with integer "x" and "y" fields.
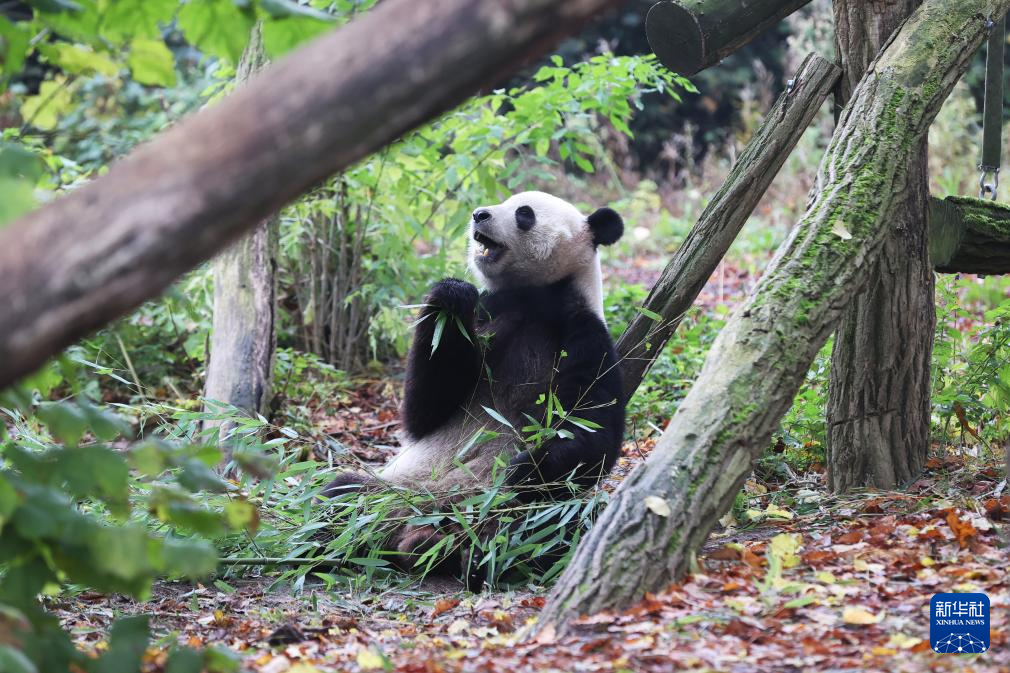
{"x": 552, "y": 321}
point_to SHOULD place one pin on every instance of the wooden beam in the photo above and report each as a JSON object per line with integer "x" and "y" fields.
{"x": 691, "y": 35}
{"x": 102, "y": 250}
{"x": 969, "y": 235}
{"x": 695, "y": 261}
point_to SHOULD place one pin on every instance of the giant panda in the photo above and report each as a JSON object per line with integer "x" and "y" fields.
{"x": 535, "y": 328}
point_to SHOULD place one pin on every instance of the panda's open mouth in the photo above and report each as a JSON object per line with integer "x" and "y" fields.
{"x": 489, "y": 250}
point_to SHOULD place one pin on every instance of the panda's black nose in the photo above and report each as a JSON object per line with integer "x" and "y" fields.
{"x": 481, "y": 214}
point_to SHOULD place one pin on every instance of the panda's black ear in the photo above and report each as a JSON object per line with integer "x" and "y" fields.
{"x": 606, "y": 225}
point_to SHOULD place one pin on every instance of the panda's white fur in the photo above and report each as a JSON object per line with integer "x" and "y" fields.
{"x": 559, "y": 245}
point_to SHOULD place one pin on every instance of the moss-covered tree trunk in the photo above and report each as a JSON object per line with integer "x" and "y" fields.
{"x": 665, "y": 508}
{"x": 243, "y": 338}
{"x": 878, "y": 405}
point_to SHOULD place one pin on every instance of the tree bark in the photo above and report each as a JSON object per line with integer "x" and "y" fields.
{"x": 103, "y": 249}
{"x": 664, "y": 509}
{"x": 878, "y": 413}
{"x": 691, "y": 35}
{"x": 969, "y": 235}
{"x": 695, "y": 261}
{"x": 243, "y": 337}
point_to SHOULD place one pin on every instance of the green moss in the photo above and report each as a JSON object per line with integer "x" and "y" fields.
{"x": 986, "y": 217}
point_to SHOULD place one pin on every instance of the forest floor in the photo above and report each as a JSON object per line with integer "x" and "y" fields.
{"x": 832, "y": 584}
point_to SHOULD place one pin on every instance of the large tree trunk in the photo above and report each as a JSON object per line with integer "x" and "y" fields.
{"x": 666, "y": 507}
{"x": 101, "y": 250}
{"x": 879, "y": 396}
{"x": 243, "y": 336}
{"x": 695, "y": 261}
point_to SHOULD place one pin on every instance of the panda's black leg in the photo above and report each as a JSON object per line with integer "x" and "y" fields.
{"x": 588, "y": 386}
{"x": 441, "y": 372}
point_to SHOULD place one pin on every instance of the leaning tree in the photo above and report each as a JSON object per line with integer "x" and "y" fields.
{"x": 665, "y": 508}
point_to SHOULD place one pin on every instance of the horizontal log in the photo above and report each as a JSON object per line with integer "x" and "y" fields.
{"x": 691, "y": 35}
{"x": 968, "y": 235}
{"x": 100, "y": 251}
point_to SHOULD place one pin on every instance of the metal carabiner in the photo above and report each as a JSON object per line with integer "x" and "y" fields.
{"x": 988, "y": 188}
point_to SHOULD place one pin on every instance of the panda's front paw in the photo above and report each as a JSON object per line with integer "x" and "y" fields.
{"x": 524, "y": 470}
{"x": 455, "y": 296}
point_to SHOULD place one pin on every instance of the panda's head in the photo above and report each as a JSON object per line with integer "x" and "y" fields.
{"x": 534, "y": 238}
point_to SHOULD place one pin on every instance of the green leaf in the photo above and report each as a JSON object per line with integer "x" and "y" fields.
{"x": 241, "y": 514}
{"x": 369, "y": 562}
{"x": 221, "y": 659}
{"x": 184, "y": 660}
{"x": 17, "y": 197}
{"x": 80, "y": 24}
{"x": 106, "y": 425}
{"x": 96, "y": 471}
{"x": 651, "y": 315}
{"x": 196, "y": 476}
{"x": 9, "y": 500}
{"x": 436, "y": 337}
{"x": 78, "y": 59}
{"x": 120, "y": 560}
{"x": 498, "y": 417}
{"x": 14, "y": 45}
{"x": 127, "y": 644}
{"x": 193, "y": 559}
{"x": 47, "y": 377}
{"x": 14, "y": 661}
{"x": 124, "y": 20}
{"x": 151, "y": 62}
{"x": 217, "y": 27}
{"x": 65, "y": 420}
{"x": 43, "y": 110}
{"x": 583, "y": 423}
{"x": 283, "y": 35}
{"x": 800, "y": 602}
{"x": 224, "y": 587}
{"x": 20, "y": 170}
{"x": 148, "y": 459}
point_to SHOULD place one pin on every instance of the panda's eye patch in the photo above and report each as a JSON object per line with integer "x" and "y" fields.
{"x": 525, "y": 218}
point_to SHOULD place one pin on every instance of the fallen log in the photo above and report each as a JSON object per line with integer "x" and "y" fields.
{"x": 665, "y": 508}
{"x": 694, "y": 262}
{"x": 968, "y": 235}
{"x": 100, "y": 251}
{"x": 691, "y": 35}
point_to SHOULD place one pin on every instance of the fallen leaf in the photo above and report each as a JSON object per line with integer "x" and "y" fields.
{"x": 458, "y": 627}
{"x": 659, "y": 506}
{"x": 839, "y": 230}
{"x": 860, "y": 616}
{"x": 547, "y": 636}
{"x": 369, "y": 660}
{"x": 442, "y": 606}
{"x": 963, "y": 530}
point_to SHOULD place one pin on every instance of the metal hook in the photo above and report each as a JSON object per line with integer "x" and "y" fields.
{"x": 988, "y": 188}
